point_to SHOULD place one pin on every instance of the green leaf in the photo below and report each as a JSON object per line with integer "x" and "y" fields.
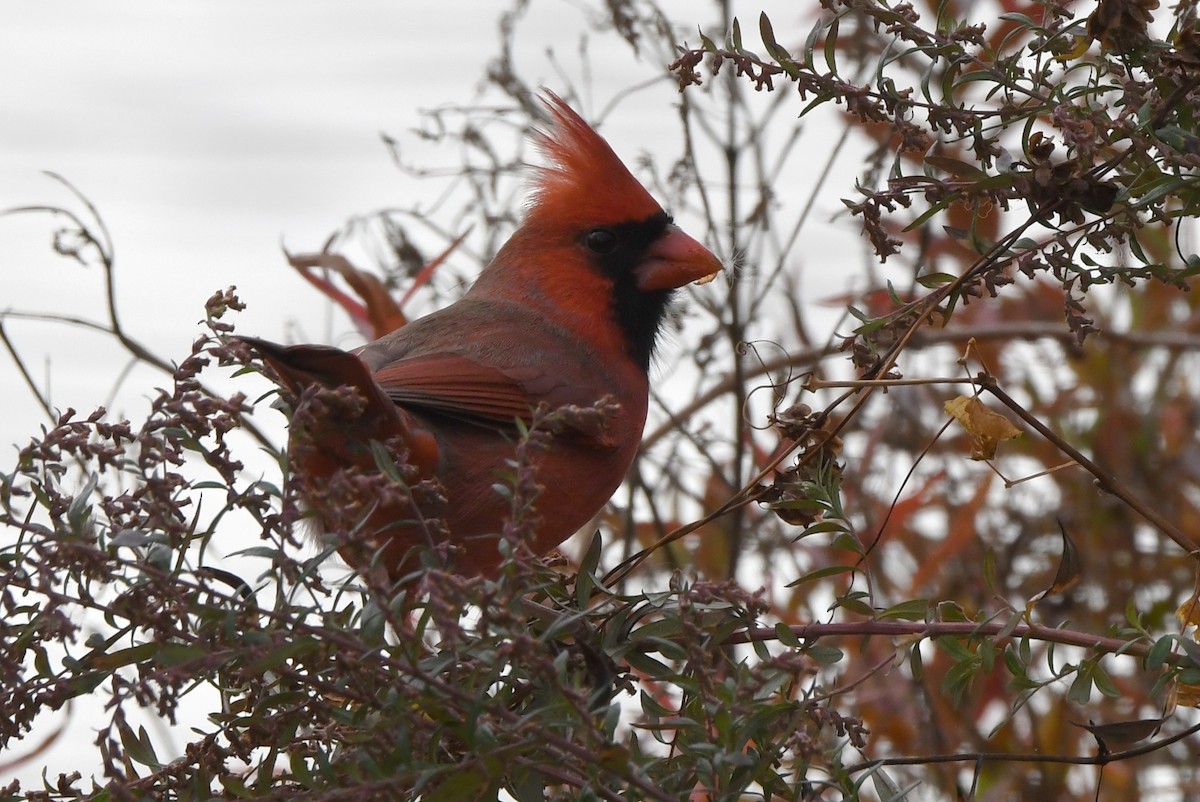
{"x": 853, "y": 602}
{"x": 934, "y": 280}
{"x": 916, "y": 663}
{"x": 41, "y": 662}
{"x": 926, "y": 77}
{"x": 989, "y": 570}
{"x": 1160, "y": 189}
{"x": 858, "y": 313}
{"x": 640, "y": 661}
{"x": 911, "y": 610}
{"x": 173, "y": 654}
{"x": 951, "y": 611}
{"x": 825, "y": 655}
{"x": 1193, "y": 266}
{"x": 891, "y": 291}
{"x": 386, "y": 463}
{"x": 1081, "y": 688}
{"x": 831, "y": 46}
{"x": 1010, "y": 626}
{"x": 280, "y": 653}
{"x": 79, "y": 511}
{"x": 955, "y": 648}
{"x": 266, "y": 552}
{"x": 1191, "y": 649}
{"x": 1135, "y": 248}
{"x": 959, "y": 678}
{"x": 887, "y": 789}
{"x": 1104, "y": 683}
{"x": 848, "y": 542}
{"x": 940, "y": 206}
{"x": 1176, "y": 137}
{"x": 652, "y": 708}
{"x": 123, "y": 657}
{"x": 832, "y": 525}
{"x": 138, "y": 747}
{"x": 960, "y": 234}
{"x": 235, "y": 785}
{"x": 810, "y": 44}
{"x": 822, "y": 573}
{"x": 786, "y": 637}
{"x": 585, "y": 581}
{"x": 136, "y": 538}
{"x": 298, "y": 764}
{"x": 774, "y": 49}
{"x": 464, "y": 782}
{"x": 1013, "y": 662}
{"x": 1022, "y": 19}
{"x": 83, "y": 684}
{"x": 1156, "y": 658}
{"x": 527, "y": 784}
{"x": 956, "y": 168}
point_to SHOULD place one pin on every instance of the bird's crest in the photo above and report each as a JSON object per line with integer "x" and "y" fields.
{"x": 583, "y": 181}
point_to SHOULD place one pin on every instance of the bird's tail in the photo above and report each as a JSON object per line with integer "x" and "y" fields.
{"x": 299, "y": 367}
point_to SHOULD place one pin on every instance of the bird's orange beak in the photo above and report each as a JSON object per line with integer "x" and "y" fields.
{"x": 675, "y": 259}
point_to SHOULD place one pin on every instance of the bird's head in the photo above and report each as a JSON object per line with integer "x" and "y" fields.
{"x": 591, "y": 229}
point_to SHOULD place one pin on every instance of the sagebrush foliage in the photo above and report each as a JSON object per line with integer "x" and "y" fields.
{"x": 836, "y": 601}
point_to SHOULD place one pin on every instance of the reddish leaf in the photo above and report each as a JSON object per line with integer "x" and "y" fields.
{"x": 376, "y": 315}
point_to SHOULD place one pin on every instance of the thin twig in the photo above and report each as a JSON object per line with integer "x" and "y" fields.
{"x": 936, "y": 629}
{"x": 1100, "y": 759}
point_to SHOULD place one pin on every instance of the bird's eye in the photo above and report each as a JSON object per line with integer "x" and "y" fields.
{"x": 600, "y": 241}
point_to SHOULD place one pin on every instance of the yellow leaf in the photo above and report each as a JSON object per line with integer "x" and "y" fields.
{"x": 1189, "y": 615}
{"x": 1187, "y": 695}
{"x": 1082, "y": 43}
{"x": 1189, "y": 612}
{"x": 987, "y": 429}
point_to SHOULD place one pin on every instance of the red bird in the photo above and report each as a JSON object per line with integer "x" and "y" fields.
{"x": 566, "y": 314}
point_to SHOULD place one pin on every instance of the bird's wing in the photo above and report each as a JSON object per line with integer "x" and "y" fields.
{"x": 458, "y": 386}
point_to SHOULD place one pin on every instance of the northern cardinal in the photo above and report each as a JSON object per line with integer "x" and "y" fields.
{"x": 566, "y": 314}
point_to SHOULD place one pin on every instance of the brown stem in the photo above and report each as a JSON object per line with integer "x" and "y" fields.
{"x": 1101, "y": 759}
{"x": 934, "y": 629}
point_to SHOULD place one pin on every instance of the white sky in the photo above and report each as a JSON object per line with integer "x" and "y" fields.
{"x": 207, "y": 134}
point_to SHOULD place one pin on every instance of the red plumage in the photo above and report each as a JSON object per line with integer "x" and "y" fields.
{"x": 566, "y": 314}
